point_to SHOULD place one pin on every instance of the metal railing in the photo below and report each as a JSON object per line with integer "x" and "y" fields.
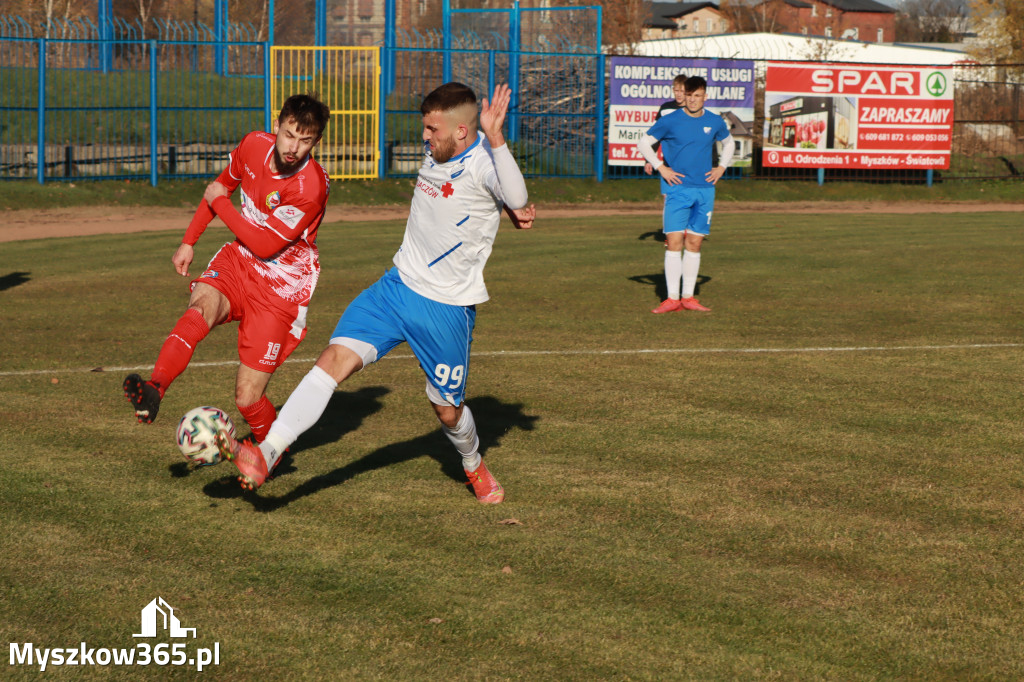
{"x": 174, "y": 109}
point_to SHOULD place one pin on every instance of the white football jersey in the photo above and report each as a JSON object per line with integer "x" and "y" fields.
{"x": 456, "y": 209}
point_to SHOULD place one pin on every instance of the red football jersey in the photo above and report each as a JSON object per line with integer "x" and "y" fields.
{"x": 285, "y": 208}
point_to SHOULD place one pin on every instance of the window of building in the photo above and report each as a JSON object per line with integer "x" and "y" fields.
{"x": 422, "y": 7}
{"x": 803, "y": 30}
{"x": 696, "y": 25}
{"x": 880, "y": 34}
{"x": 814, "y": 10}
{"x": 828, "y": 12}
{"x": 828, "y": 31}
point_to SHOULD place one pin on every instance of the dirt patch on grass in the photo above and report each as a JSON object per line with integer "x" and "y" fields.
{"x": 22, "y": 224}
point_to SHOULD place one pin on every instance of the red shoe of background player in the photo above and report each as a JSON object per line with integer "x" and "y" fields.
{"x": 693, "y": 304}
{"x": 669, "y": 305}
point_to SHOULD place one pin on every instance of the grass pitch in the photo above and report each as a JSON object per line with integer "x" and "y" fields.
{"x": 821, "y": 479}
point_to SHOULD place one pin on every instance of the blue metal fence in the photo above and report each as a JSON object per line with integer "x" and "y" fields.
{"x": 161, "y": 110}
{"x": 174, "y": 109}
{"x": 555, "y": 124}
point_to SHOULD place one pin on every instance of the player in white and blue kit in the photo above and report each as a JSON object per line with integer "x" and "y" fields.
{"x": 428, "y": 299}
{"x": 688, "y": 183}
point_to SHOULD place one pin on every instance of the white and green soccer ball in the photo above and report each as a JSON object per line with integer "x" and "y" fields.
{"x": 197, "y": 432}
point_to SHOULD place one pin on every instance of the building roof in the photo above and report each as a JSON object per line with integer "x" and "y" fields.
{"x": 790, "y": 46}
{"x": 860, "y": 6}
{"x": 661, "y": 14}
{"x": 737, "y": 128}
{"x": 846, "y": 5}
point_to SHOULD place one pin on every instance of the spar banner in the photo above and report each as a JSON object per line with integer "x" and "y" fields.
{"x": 868, "y": 116}
{"x": 640, "y": 85}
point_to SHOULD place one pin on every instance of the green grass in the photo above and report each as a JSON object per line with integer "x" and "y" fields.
{"x": 18, "y": 194}
{"x": 821, "y": 479}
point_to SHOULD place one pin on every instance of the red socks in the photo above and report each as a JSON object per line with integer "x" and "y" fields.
{"x": 178, "y": 348}
{"x": 260, "y": 415}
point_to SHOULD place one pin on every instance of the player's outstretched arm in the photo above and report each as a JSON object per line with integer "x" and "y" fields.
{"x": 492, "y": 114}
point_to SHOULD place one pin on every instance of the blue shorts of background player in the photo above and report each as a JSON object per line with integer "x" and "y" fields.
{"x": 688, "y": 209}
{"x": 389, "y": 312}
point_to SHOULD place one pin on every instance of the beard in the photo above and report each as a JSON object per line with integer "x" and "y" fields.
{"x": 283, "y": 167}
{"x": 443, "y": 149}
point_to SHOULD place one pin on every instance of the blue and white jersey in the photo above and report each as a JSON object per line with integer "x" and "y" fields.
{"x": 686, "y": 143}
{"x": 456, "y": 209}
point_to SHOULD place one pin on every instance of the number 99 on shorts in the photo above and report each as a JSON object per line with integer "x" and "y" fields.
{"x": 449, "y": 377}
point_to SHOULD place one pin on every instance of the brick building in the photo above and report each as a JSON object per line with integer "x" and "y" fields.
{"x": 865, "y": 20}
{"x": 683, "y": 20}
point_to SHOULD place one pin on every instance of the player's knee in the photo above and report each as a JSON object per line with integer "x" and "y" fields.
{"x": 448, "y": 414}
{"x": 246, "y": 395}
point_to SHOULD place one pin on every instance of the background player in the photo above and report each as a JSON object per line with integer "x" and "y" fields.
{"x": 265, "y": 278}
{"x": 429, "y": 298}
{"x": 675, "y": 104}
{"x": 688, "y": 183}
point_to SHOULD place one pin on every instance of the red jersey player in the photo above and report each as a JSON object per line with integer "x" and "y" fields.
{"x": 265, "y": 278}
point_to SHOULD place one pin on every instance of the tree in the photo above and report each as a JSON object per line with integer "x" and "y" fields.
{"x": 66, "y": 9}
{"x": 622, "y": 23}
{"x": 1000, "y": 33}
{"x": 931, "y": 21}
{"x": 145, "y": 12}
{"x": 752, "y": 16}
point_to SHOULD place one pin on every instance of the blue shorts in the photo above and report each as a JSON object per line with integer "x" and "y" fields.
{"x": 688, "y": 209}
{"x": 388, "y": 313}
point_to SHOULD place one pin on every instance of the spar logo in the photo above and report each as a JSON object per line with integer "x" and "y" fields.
{"x": 158, "y": 612}
{"x": 935, "y": 84}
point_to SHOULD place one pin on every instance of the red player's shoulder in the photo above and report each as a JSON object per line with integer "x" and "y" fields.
{"x": 258, "y": 139}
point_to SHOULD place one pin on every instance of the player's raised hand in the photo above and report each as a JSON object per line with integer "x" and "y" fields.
{"x": 182, "y": 258}
{"x": 493, "y": 112}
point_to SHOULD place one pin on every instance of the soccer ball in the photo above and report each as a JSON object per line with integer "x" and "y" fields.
{"x": 197, "y": 431}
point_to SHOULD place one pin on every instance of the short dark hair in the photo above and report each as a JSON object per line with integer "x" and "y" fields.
{"x": 310, "y": 114}
{"x": 447, "y": 97}
{"x": 694, "y": 83}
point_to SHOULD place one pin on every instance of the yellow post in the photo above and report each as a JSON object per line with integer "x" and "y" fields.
{"x": 347, "y": 79}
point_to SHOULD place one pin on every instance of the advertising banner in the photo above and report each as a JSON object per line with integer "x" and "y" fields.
{"x": 640, "y": 85}
{"x": 857, "y": 116}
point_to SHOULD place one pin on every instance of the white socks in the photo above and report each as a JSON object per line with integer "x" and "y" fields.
{"x": 303, "y": 409}
{"x": 690, "y": 266}
{"x": 465, "y": 439}
{"x": 673, "y": 272}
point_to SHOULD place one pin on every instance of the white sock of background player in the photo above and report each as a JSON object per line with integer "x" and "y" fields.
{"x": 690, "y": 267}
{"x": 673, "y": 272}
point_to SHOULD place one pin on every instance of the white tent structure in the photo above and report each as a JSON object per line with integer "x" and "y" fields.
{"x": 789, "y": 46}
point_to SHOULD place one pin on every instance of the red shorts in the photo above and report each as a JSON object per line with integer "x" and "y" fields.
{"x": 269, "y": 327}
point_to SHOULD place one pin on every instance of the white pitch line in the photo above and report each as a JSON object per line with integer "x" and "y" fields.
{"x": 637, "y": 351}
